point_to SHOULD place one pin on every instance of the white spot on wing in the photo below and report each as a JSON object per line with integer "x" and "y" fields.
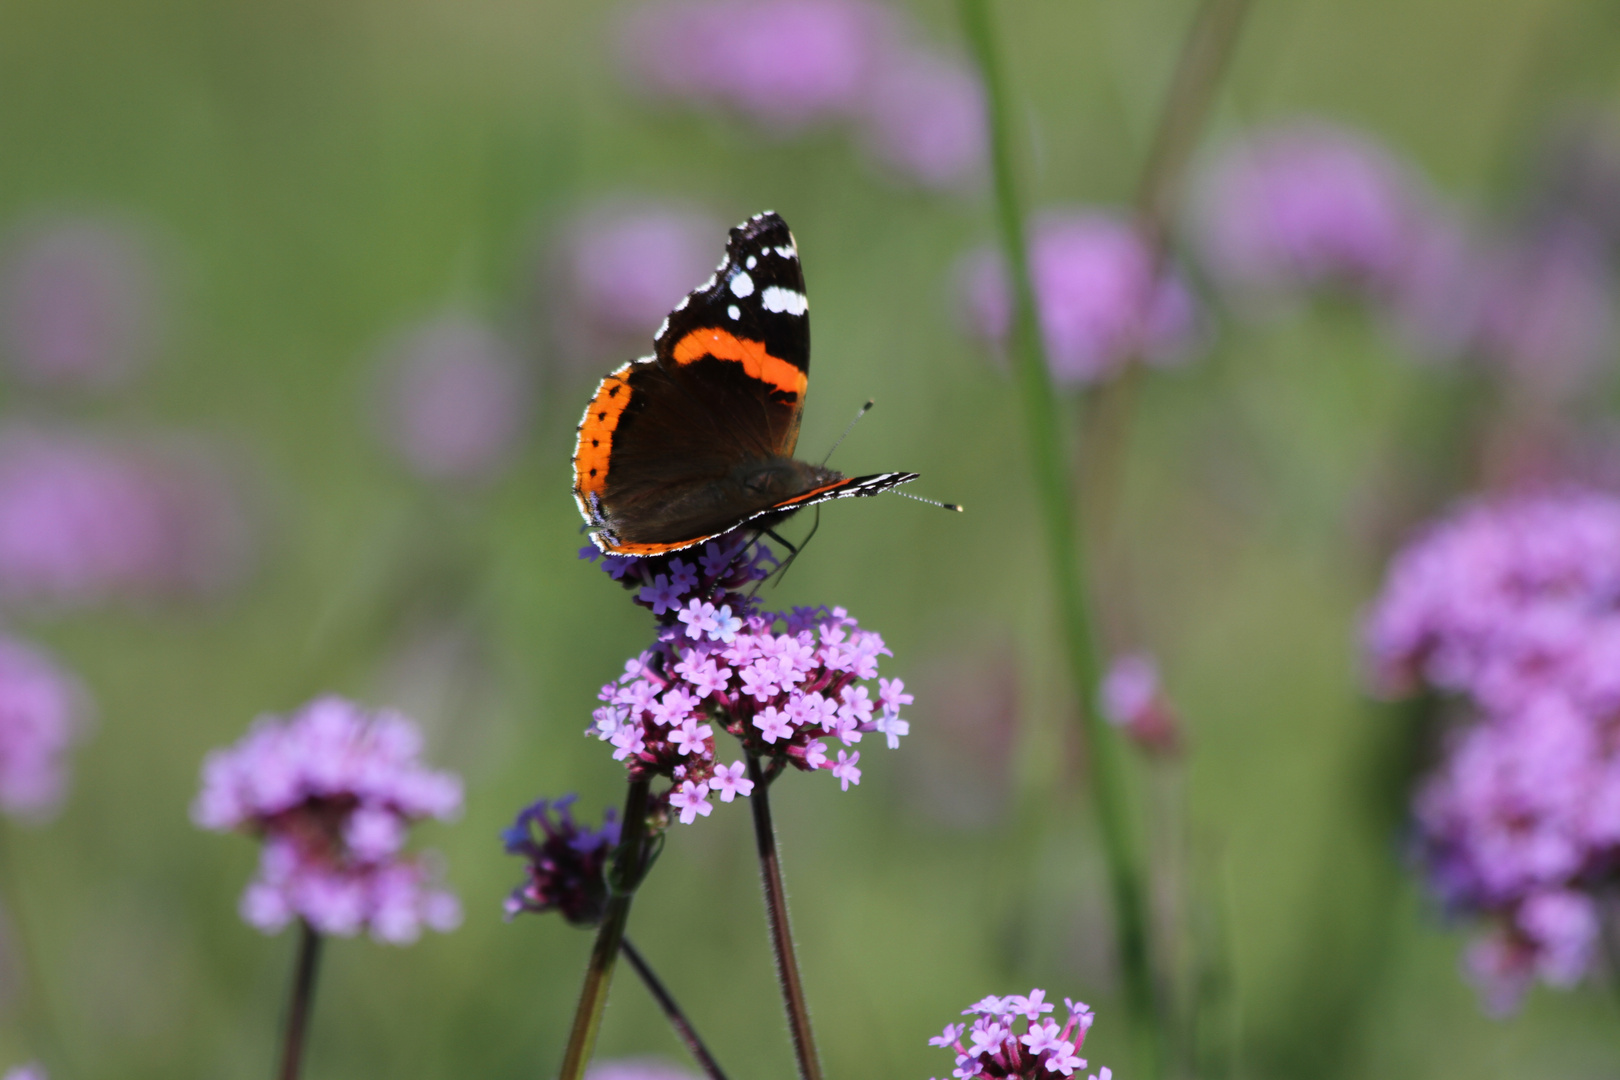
{"x": 777, "y": 299}
{"x": 682, "y": 305}
{"x": 663, "y": 327}
{"x": 752, "y": 262}
{"x": 787, "y": 252}
{"x": 742, "y": 284}
{"x": 734, "y": 311}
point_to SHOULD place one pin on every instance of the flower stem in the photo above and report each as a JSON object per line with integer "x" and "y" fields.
{"x": 298, "y": 1005}
{"x": 1064, "y": 549}
{"x": 677, "y": 1019}
{"x": 1202, "y": 58}
{"x": 776, "y": 911}
{"x": 34, "y": 1006}
{"x": 629, "y": 865}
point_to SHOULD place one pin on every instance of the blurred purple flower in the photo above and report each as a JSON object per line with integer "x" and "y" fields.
{"x": 925, "y": 121}
{"x": 1545, "y": 313}
{"x": 43, "y": 711}
{"x": 1513, "y": 606}
{"x": 78, "y": 304}
{"x": 332, "y": 791}
{"x": 995, "y": 1048}
{"x": 567, "y": 862}
{"x": 1504, "y": 598}
{"x": 32, "y": 1071}
{"x": 636, "y": 1069}
{"x": 455, "y": 399}
{"x": 1308, "y": 204}
{"x": 85, "y": 519}
{"x": 1099, "y": 305}
{"x": 1133, "y": 700}
{"x": 784, "y": 64}
{"x": 622, "y": 266}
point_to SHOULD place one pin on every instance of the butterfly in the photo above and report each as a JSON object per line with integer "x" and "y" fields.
{"x": 697, "y": 439}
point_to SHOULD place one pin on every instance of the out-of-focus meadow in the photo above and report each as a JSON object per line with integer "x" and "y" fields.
{"x": 295, "y": 208}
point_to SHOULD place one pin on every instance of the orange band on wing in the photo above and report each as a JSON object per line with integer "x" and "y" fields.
{"x": 759, "y": 364}
{"x": 595, "y": 442}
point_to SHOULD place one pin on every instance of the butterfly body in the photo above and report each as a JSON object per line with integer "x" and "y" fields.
{"x": 697, "y": 440}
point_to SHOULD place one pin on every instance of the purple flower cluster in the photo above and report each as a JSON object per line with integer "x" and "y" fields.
{"x": 1099, "y": 302}
{"x": 791, "y": 64}
{"x": 86, "y": 519}
{"x": 1309, "y": 204}
{"x": 779, "y": 682}
{"x": 78, "y": 305}
{"x": 1513, "y": 607}
{"x": 32, "y": 1071}
{"x": 567, "y": 862}
{"x": 996, "y": 1048}
{"x": 454, "y": 399}
{"x": 636, "y": 1069}
{"x": 42, "y": 713}
{"x": 332, "y": 791}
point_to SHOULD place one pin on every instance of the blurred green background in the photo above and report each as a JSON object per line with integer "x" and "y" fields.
{"x": 328, "y": 171}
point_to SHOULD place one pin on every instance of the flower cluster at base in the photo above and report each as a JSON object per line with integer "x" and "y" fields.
{"x": 997, "y": 1050}
{"x": 1512, "y": 607}
{"x": 332, "y": 791}
{"x": 780, "y": 683}
{"x": 567, "y": 862}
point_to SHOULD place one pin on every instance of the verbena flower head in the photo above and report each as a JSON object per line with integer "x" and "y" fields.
{"x": 1545, "y": 315}
{"x": 1098, "y": 301}
{"x": 332, "y": 791}
{"x": 1504, "y": 598}
{"x": 636, "y": 1069}
{"x": 1512, "y": 608}
{"x": 567, "y": 862}
{"x": 925, "y": 121}
{"x": 42, "y": 713}
{"x": 784, "y": 64}
{"x": 1018, "y": 1038}
{"x": 455, "y": 399}
{"x": 78, "y": 305}
{"x": 1133, "y": 700}
{"x": 1308, "y": 204}
{"x": 780, "y": 683}
{"x": 85, "y": 519}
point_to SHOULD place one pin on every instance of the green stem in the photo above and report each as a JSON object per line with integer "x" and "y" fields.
{"x": 776, "y": 911}
{"x": 296, "y": 1032}
{"x": 1203, "y": 57}
{"x": 629, "y": 865}
{"x": 34, "y": 1004}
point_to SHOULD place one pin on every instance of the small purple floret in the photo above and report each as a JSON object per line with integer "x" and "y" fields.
{"x": 567, "y": 861}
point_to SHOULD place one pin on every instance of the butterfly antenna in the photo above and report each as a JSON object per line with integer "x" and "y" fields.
{"x": 864, "y": 410}
{"x": 930, "y": 502}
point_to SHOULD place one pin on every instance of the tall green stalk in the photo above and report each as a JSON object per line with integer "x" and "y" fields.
{"x": 1202, "y": 60}
{"x": 1064, "y": 550}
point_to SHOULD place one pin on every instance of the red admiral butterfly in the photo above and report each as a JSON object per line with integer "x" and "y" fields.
{"x": 696, "y": 440}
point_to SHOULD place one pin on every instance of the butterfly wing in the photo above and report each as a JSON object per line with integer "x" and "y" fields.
{"x": 665, "y": 440}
